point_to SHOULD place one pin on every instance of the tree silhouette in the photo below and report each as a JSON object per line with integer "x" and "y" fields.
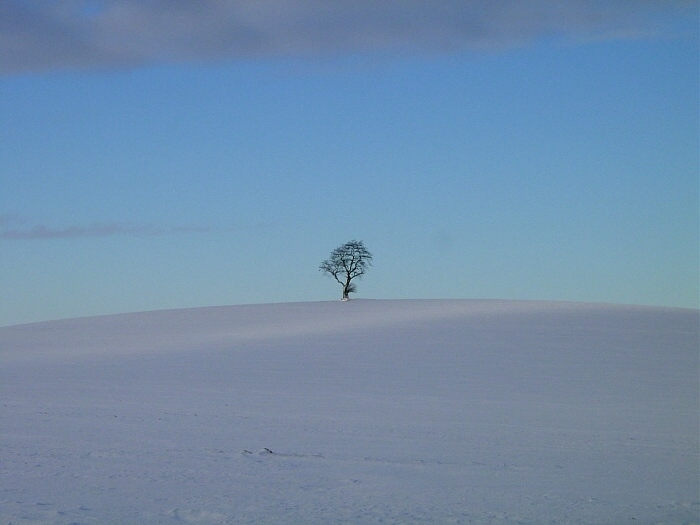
{"x": 347, "y": 262}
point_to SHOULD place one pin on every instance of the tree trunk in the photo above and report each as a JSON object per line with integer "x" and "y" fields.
{"x": 346, "y": 289}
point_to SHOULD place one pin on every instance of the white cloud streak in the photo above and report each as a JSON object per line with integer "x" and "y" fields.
{"x": 87, "y": 34}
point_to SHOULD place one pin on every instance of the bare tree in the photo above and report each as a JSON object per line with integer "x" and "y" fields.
{"x": 347, "y": 262}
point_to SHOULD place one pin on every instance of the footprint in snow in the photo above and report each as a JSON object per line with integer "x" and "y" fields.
{"x": 262, "y": 452}
{"x": 268, "y": 452}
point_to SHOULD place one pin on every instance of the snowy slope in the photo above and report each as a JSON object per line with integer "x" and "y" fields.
{"x": 357, "y": 412}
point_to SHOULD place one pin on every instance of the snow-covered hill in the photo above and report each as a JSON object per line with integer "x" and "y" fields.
{"x": 357, "y": 412}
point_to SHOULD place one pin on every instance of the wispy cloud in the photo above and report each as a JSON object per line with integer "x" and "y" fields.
{"x": 70, "y": 34}
{"x": 14, "y": 229}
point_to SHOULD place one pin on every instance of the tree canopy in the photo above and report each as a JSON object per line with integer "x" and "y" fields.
{"x": 347, "y": 262}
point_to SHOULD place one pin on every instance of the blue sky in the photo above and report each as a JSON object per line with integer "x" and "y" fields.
{"x": 539, "y": 152}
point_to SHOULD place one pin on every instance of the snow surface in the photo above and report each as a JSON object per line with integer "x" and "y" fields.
{"x": 354, "y": 412}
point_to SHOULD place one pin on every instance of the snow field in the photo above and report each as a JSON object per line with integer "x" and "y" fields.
{"x": 355, "y": 412}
